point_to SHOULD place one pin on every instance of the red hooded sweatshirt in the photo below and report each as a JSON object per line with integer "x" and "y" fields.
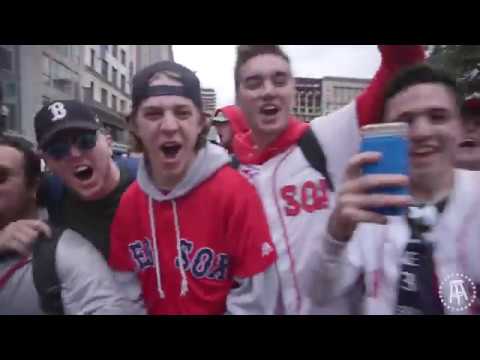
{"x": 212, "y": 223}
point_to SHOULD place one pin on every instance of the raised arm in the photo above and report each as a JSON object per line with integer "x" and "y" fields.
{"x": 394, "y": 58}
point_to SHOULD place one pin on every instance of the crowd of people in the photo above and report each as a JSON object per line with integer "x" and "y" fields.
{"x": 275, "y": 218}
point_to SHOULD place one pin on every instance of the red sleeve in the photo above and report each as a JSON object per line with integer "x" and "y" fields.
{"x": 394, "y": 58}
{"x": 119, "y": 257}
{"x": 249, "y": 233}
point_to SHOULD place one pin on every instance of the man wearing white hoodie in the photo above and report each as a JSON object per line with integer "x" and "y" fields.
{"x": 191, "y": 227}
{"x": 427, "y": 261}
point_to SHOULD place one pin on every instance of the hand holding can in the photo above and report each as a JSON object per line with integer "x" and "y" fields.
{"x": 391, "y": 141}
{"x": 376, "y": 181}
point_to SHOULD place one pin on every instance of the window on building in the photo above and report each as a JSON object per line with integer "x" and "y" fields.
{"x": 114, "y": 102}
{"x": 63, "y": 78}
{"x": 114, "y": 76}
{"x": 105, "y": 97}
{"x": 89, "y": 92}
{"x": 115, "y": 50}
{"x": 123, "y": 56}
{"x": 46, "y": 71}
{"x": 122, "y": 106}
{"x": 10, "y": 89}
{"x": 105, "y": 68}
{"x": 301, "y": 99}
{"x": 12, "y": 122}
{"x": 122, "y": 82}
{"x": 113, "y": 131}
{"x": 92, "y": 58}
{"x": 6, "y": 62}
{"x": 131, "y": 70}
{"x": 318, "y": 102}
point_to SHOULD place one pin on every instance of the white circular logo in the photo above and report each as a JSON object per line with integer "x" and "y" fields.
{"x": 457, "y": 292}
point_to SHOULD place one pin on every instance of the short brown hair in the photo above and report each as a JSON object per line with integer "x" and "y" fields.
{"x": 422, "y": 74}
{"x": 247, "y": 52}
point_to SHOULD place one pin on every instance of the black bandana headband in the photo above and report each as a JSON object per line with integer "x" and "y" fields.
{"x": 189, "y": 88}
{"x": 165, "y": 90}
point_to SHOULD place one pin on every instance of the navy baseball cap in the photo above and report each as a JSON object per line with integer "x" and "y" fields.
{"x": 190, "y": 87}
{"x": 63, "y": 115}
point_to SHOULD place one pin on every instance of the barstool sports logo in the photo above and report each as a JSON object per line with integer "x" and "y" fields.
{"x": 457, "y": 292}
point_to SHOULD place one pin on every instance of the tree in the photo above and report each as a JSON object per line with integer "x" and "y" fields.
{"x": 3, "y": 113}
{"x": 461, "y": 60}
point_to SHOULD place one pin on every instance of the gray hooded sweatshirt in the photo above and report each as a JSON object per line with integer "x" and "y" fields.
{"x": 253, "y": 296}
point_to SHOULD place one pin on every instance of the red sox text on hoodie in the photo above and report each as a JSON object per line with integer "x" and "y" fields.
{"x": 197, "y": 249}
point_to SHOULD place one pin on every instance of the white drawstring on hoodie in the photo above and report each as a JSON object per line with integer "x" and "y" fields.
{"x": 184, "y": 283}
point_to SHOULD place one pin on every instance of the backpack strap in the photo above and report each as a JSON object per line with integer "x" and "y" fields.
{"x": 52, "y": 191}
{"x": 313, "y": 152}
{"x": 45, "y": 275}
{"x": 234, "y": 162}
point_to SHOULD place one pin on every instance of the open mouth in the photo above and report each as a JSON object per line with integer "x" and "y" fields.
{"x": 269, "y": 110}
{"x": 422, "y": 152}
{"x": 468, "y": 144}
{"x": 83, "y": 173}
{"x": 170, "y": 150}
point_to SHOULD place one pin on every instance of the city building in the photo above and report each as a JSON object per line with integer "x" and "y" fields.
{"x": 10, "y": 83}
{"x": 319, "y": 97}
{"x": 106, "y": 85}
{"x": 338, "y": 92}
{"x": 98, "y": 75}
{"x": 209, "y": 99}
{"x": 33, "y": 75}
{"x": 150, "y": 54}
{"x": 308, "y": 101}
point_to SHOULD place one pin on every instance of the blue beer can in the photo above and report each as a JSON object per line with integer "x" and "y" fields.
{"x": 391, "y": 140}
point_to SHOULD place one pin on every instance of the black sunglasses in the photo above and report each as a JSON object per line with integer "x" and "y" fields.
{"x": 61, "y": 148}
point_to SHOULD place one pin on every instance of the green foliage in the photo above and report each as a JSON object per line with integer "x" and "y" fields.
{"x": 463, "y": 61}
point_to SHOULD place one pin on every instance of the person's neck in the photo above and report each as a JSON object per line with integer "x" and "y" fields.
{"x": 432, "y": 189}
{"x": 166, "y": 183}
{"x": 264, "y": 140}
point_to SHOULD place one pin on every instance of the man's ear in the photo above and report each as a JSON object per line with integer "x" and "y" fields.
{"x": 134, "y": 139}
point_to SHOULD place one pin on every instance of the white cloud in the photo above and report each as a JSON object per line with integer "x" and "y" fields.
{"x": 214, "y": 63}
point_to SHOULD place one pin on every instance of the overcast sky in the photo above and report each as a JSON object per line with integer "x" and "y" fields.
{"x": 214, "y": 63}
